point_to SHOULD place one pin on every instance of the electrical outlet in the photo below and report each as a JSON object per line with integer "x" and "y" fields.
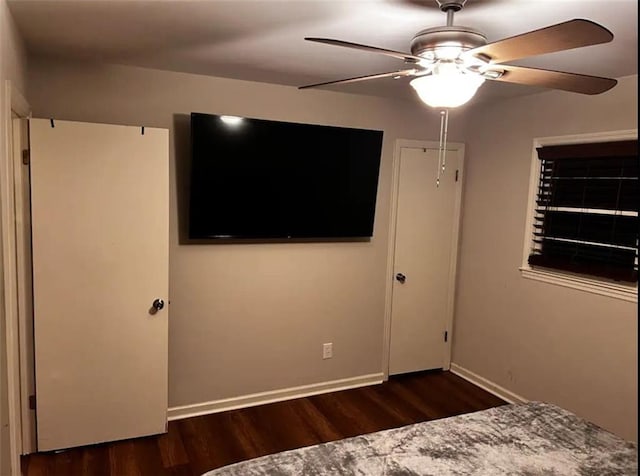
{"x": 327, "y": 350}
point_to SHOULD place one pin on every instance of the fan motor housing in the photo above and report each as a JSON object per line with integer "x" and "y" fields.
{"x": 427, "y": 40}
{"x": 455, "y": 5}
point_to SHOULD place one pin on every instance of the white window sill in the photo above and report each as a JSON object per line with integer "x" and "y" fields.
{"x": 618, "y": 291}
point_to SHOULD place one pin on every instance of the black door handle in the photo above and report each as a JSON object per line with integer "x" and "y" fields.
{"x": 401, "y": 278}
{"x": 156, "y": 306}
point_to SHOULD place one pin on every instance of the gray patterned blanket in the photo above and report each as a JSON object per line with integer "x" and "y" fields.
{"x": 521, "y": 439}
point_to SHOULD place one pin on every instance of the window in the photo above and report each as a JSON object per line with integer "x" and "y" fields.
{"x": 583, "y": 219}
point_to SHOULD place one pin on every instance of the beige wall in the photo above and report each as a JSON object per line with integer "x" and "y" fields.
{"x": 14, "y": 58}
{"x": 252, "y": 318}
{"x": 539, "y": 340}
{"x": 249, "y": 318}
{"x": 12, "y": 67}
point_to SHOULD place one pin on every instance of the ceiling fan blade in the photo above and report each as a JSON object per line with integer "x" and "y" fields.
{"x": 406, "y": 72}
{"x": 563, "y": 36}
{"x": 577, "y": 83}
{"x": 409, "y": 58}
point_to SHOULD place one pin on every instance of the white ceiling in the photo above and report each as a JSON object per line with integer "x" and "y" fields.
{"x": 263, "y": 40}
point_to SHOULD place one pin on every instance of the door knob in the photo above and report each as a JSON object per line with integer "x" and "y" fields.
{"x": 156, "y": 306}
{"x": 401, "y": 278}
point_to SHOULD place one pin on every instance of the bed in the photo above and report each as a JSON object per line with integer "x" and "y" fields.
{"x": 519, "y": 439}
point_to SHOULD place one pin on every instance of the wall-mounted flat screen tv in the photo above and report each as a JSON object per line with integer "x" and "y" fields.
{"x": 261, "y": 179}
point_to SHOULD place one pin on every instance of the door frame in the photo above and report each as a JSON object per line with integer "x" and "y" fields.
{"x": 400, "y": 144}
{"x": 14, "y": 103}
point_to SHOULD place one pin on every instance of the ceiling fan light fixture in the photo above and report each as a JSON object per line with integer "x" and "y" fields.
{"x": 446, "y": 90}
{"x": 448, "y": 51}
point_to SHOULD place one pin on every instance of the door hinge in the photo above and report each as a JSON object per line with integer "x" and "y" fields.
{"x": 446, "y": 336}
{"x": 456, "y": 175}
{"x": 26, "y": 156}
{"x": 32, "y": 402}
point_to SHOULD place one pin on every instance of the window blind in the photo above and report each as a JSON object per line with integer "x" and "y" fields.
{"x": 586, "y": 215}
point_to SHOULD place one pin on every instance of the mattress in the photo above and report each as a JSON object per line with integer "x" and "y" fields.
{"x": 520, "y": 439}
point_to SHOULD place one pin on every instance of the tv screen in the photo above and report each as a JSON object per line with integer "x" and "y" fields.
{"x": 257, "y": 179}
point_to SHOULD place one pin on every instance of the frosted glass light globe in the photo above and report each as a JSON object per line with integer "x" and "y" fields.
{"x": 447, "y": 86}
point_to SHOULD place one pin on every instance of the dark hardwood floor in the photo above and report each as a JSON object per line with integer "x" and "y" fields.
{"x": 195, "y": 445}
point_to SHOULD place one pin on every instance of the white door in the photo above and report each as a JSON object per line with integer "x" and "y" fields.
{"x": 100, "y": 260}
{"x": 426, "y": 229}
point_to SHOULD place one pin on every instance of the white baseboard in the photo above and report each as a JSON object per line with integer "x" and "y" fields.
{"x": 487, "y": 385}
{"x": 215, "y": 406}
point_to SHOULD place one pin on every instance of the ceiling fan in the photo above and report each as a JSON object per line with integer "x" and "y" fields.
{"x": 449, "y": 63}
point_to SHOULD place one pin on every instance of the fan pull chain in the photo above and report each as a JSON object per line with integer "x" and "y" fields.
{"x": 442, "y": 149}
{"x": 444, "y": 142}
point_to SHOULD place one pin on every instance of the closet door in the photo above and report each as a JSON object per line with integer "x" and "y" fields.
{"x": 424, "y": 260}
{"x": 100, "y": 215}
